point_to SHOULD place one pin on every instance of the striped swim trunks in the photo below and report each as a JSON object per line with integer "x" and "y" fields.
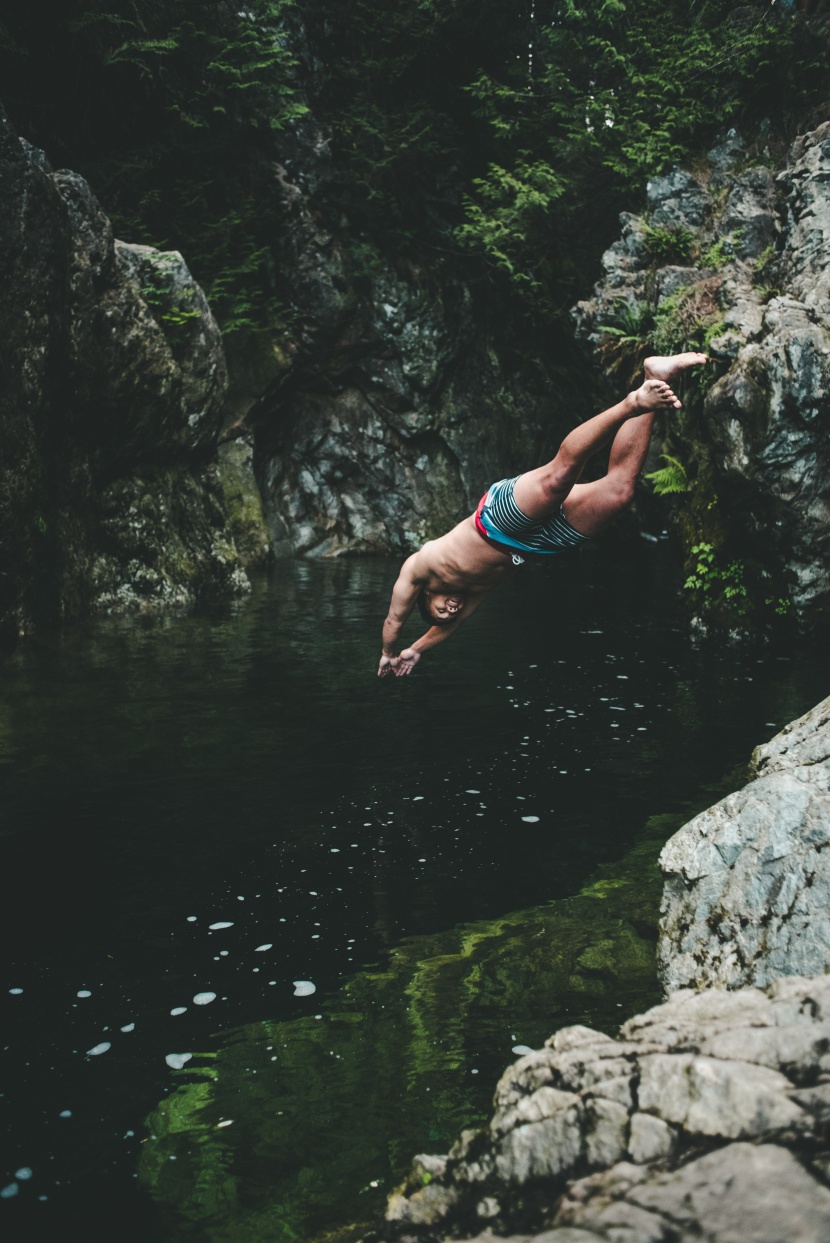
{"x": 500, "y": 521}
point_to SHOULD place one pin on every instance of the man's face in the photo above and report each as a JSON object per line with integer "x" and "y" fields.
{"x": 445, "y": 607}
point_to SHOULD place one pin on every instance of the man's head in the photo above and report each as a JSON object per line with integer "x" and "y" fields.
{"x": 439, "y": 608}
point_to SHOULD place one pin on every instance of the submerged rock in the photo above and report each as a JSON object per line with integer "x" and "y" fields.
{"x": 114, "y": 384}
{"x": 748, "y": 881}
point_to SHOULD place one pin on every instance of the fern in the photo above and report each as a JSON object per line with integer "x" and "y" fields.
{"x": 670, "y": 479}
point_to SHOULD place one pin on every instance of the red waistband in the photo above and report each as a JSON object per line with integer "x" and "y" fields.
{"x": 483, "y": 533}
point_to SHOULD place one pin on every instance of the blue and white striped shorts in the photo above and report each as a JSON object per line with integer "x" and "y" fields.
{"x": 506, "y": 524}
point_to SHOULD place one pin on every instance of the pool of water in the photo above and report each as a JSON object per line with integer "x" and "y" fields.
{"x": 244, "y": 768}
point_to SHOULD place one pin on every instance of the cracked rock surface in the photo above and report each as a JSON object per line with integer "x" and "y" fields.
{"x": 747, "y": 882}
{"x": 707, "y": 1118}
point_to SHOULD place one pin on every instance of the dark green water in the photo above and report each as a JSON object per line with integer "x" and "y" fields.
{"x": 246, "y": 767}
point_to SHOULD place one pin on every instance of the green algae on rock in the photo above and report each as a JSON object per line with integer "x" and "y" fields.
{"x": 294, "y": 1127}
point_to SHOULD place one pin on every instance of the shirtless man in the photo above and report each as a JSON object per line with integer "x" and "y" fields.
{"x": 543, "y": 512}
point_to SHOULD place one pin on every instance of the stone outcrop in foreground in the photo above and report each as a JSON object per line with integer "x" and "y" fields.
{"x": 747, "y": 885}
{"x": 113, "y": 387}
{"x": 708, "y": 1118}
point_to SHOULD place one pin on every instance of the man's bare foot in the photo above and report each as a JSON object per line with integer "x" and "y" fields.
{"x": 655, "y": 395}
{"x": 669, "y": 367}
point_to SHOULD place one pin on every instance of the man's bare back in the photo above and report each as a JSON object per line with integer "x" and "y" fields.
{"x": 449, "y": 577}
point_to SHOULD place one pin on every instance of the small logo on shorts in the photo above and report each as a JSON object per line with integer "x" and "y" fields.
{"x": 517, "y": 560}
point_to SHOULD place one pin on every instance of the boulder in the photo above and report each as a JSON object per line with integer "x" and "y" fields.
{"x": 114, "y": 383}
{"x": 707, "y": 1117}
{"x": 747, "y": 882}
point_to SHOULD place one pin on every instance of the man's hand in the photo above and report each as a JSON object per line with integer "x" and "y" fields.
{"x": 399, "y": 665}
{"x": 406, "y": 662}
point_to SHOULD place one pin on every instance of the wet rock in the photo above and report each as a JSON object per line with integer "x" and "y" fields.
{"x": 748, "y": 880}
{"x": 113, "y": 388}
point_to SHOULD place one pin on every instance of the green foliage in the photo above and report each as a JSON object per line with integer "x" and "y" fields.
{"x": 688, "y": 319}
{"x": 618, "y": 93}
{"x": 665, "y": 246}
{"x": 670, "y": 479}
{"x": 509, "y": 202}
{"x": 503, "y": 141}
{"x": 717, "y": 256}
{"x": 166, "y": 108}
{"x": 764, "y": 274}
{"x": 717, "y": 583}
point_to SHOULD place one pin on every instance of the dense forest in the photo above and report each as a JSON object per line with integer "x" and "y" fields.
{"x": 504, "y": 138}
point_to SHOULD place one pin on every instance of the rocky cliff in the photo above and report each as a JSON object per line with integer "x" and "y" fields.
{"x": 734, "y": 258}
{"x": 386, "y": 409}
{"x": 707, "y": 1117}
{"x": 114, "y": 380}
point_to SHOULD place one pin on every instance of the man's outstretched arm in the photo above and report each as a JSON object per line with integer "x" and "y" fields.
{"x": 405, "y": 662}
{"x": 404, "y": 594}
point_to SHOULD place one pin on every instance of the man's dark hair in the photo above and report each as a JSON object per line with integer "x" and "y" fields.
{"x": 423, "y": 609}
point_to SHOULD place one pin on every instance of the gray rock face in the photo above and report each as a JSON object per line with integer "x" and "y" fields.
{"x": 757, "y": 252}
{"x": 386, "y": 414}
{"x": 707, "y": 1118}
{"x": 748, "y": 881}
{"x": 113, "y": 386}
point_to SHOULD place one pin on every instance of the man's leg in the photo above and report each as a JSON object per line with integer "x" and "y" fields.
{"x": 540, "y": 492}
{"x": 589, "y": 506}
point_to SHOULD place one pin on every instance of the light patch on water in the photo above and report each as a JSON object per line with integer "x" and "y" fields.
{"x": 8, "y": 1191}
{"x": 83, "y": 992}
{"x": 222, "y": 924}
{"x": 128, "y": 1027}
{"x": 15, "y": 992}
{"x": 261, "y": 948}
{"x": 472, "y": 791}
{"x": 225, "y": 1122}
{"x": 65, "y": 1113}
{"x": 191, "y": 919}
{"x": 530, "y": 819}
{"x": 204, "y": 999}
{"x": 98, "y": 1049}
{"x": 521, "y": 1049}
{"x": 419, "y": 798}
{"x": 303, "y": 988}
{"x": 178, "y": 1010}
{"x": 335, "y": 850}
{"x": 177, "y": 1060}
{"x": 24, "y": 1173}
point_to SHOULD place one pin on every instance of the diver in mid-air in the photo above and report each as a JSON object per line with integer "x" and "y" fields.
{"x": 543, "y": 512}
